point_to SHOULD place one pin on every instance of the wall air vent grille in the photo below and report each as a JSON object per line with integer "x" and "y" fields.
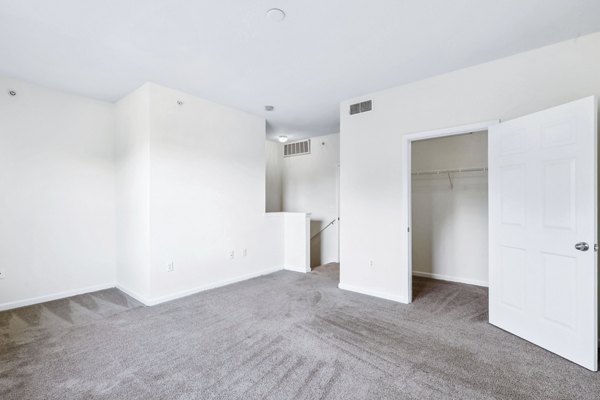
{"x": 296, "y": 148}
{"x": 361, "y": 107}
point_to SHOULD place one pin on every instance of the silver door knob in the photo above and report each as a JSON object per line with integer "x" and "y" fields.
{"x": 582, "y": 246}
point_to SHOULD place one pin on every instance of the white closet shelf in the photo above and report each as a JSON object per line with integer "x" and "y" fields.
{"x": 450, "y": 171}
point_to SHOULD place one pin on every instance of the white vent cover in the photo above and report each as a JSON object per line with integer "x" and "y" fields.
{"x": 296, "y": 148}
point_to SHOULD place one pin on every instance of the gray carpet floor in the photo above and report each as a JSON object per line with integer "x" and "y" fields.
{"x": 280, "y": 336}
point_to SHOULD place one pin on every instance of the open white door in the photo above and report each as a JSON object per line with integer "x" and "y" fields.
{"x": 543, "y": 229}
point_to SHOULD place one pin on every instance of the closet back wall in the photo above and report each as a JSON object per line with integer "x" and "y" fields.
{"x": 450, "y": 224}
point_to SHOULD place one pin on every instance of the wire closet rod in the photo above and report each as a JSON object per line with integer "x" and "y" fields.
{"x": 449, "y": 171}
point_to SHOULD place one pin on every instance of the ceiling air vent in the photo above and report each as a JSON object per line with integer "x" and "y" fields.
{"x": 296, "y": 148}
{"x": 361, "y": 107}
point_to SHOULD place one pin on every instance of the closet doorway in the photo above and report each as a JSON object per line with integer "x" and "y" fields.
{"x": 446, "y": 182}
{"x": 450, "y": 209}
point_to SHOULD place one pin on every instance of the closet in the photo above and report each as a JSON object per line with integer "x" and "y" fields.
{"x": 450, "y": 208}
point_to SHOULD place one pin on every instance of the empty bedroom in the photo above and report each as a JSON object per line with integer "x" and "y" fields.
{"x": 276, "y": 199}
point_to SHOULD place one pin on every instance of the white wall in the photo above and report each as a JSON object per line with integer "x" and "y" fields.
{"x": 371, "y": 191}
{"x": 133, "y": 191}
{"x": 185, "y": 183}
{"x": 207, "y": 194}
{"x": 57, "y": 195}
{"x": 450, "y": 222}
{"x": 192, "y": 194}
{"x": 273, "y": 173}
{"x": 310, "y": 184}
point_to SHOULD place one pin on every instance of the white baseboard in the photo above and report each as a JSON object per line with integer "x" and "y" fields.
{"x": 142, "y": 299}
{"x": 54, "y": 296}
{"x": 374, "y": 293}
{"x": 132, "y": 293}
{"x": 188, "y": 292}
{"x": 297, "y": 269}
{"x": 451, "y": 278}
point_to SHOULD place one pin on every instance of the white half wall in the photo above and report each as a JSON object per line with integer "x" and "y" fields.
{"x": 371, "y": 159}
{"x": 450, "y": 222}
{"x": 297, "y": 241}
{"x": 57, "y": 194}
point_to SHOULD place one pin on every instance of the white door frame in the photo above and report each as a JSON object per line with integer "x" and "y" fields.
{"x": 407, "y": 140}
{"x": 337, "y": 205}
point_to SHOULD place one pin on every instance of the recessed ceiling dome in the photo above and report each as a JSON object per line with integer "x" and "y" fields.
{"x": 276, "y": 15}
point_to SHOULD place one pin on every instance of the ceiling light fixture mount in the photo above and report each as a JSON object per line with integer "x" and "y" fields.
{"x": 282, "y": 139}
{"x": 276, "y": 14}
{"x": 269, "y": 108}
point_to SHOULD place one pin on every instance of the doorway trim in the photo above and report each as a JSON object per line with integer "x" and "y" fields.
{"x": 407, "y": 140}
